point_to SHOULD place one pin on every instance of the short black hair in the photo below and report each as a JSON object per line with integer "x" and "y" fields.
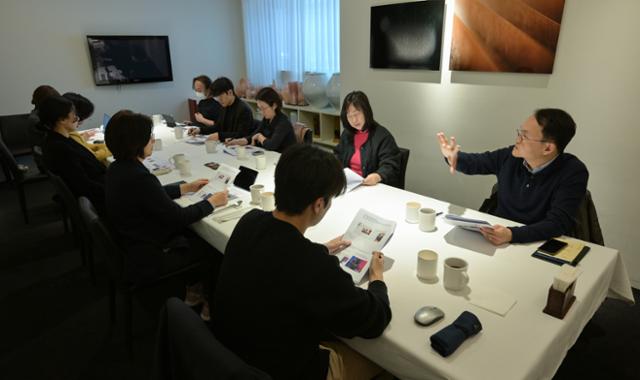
{"x": 41, "y": 93}
{"x": 305, "y": 173}
{"x": 84, "y": 107}
{"x": 270, "y": 96}
{"x": 557, "y": 126}
{"x": 220, "y": 86}
{"x": 53, "y": 109}
{"x": 205, "y": 80}
{"x": 127, "y": 133}
{"x": 359, "y": 101}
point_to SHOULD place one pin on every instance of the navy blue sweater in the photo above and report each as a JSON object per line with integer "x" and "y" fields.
{"x": 546, "y": 202}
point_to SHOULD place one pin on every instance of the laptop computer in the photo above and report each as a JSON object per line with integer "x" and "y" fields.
{"x": 171, "y": 122}
{"x": 105, "y": 121}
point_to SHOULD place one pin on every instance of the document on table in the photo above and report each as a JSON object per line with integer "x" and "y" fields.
{"x": 367, "y": 233}
{"x": 353, "y": 179}
{"x": 233, "y": 149}
{"x": 223, "y": 179}
{"x": 157, "y": 165}
{"x": 466, "y": 223}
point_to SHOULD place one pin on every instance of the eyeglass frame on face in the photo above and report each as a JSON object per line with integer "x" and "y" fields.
{"x": 523, "y": 136}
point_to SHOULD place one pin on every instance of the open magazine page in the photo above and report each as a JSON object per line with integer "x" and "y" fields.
{"x": 353, "y": 179}
{"x": 222, "y": 179}
{"x": 367, "y": 233}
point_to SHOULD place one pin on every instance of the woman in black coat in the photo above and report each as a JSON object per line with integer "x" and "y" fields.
{"x": 275, "y": 131}
{"x": 152, "y": 227}
{"x": 367, "y": 147}
{"x": 63, "y": 156}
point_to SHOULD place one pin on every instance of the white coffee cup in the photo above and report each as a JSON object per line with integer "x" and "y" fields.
{"x": 256, "y": 192}
{"x": 455, "y": 273}
{"x": 268, "y": 201}
{"x": 177, "y": 158}
{"x": 184, "y": 167}
{"x": 242, "y": 152}
{"x": 427, "y": 219}
{"x": 178, "y": 132}
{"x": 412, "y": 214}
{"x": 261, "y": 160}
{"x": 427, "y": 264}
{"x": 157, "y": 145}
{"x": 211, "y": 146}
{"x": 157, "y": 120}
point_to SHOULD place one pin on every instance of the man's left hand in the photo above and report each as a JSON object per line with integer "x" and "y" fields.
{"x": 214, "y": 137}
{"x": 336, "y": 245}
{"x": 497, "y": 234}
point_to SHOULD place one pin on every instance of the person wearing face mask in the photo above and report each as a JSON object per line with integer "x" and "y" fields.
{"x": 367, "y": 147}
{"x": 76, "y": 165}
{"x": 208, "y": 108}
{"x": 236, "y": 117}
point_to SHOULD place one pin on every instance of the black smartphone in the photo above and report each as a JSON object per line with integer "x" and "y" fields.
{"x": 212, "y": 165}
{"x": 245, "y": 178}
{"x": 552, "y": 246}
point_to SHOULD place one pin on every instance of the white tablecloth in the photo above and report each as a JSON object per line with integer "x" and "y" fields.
{"x": 524, "y": 344}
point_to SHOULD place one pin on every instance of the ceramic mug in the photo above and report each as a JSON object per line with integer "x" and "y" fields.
{"x": 256, "y": 192}
{"x": 427, "y": 219}
{"x": 268, "y": 201}
{"x": 178, "y": 132}
{"x": 412, "y": 214}
{"x": 427, "y": 265}
{"x": 211, "y": 146}
{"x": 455, "y": 273}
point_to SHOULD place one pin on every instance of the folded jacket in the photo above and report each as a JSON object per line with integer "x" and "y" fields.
{"x": 447, "y": 340}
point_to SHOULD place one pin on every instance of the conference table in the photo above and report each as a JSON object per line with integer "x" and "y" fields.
{"x": 524, "y": 343}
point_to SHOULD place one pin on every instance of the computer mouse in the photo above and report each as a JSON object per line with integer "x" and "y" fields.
{"x": 428, "y": 315}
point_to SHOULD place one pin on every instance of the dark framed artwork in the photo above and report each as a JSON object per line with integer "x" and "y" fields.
{"x": 407, "y": 35}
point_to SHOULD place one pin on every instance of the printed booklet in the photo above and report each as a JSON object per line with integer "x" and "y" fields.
{"x": 367, "y": 233}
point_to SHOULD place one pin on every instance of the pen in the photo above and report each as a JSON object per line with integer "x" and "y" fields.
{"x": 438, "y": 213}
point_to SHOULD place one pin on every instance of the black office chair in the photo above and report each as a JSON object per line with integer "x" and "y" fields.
{"x": 79, "y": 227}
{"x": 404, "y": 160}
{"x": 14, "y": 131}
{"x": 186, "y": 349}
{"x": 17, "y": 176}
{"x": 105, "y": 243}
{"x": 587, "y": 227}
{"x": 304, "y": 134}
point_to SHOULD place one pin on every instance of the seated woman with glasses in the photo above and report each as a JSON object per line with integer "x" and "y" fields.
{"x": 275, "y": 131}
{"x": 84, "y": 109}
{"x": 63, "y": 156}
{"x": 367, "y": 147}
{"x": 152, "y": 227}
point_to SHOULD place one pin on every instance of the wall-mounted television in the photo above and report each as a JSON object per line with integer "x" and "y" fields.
{"x": 407, "y": 35}
{"x": 130, "y": 59}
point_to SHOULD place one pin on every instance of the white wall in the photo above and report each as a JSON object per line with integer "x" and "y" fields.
{"x": 595, "y": 78}
{"x": 44, "y": 42}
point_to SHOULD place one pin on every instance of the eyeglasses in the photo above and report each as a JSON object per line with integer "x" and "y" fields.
{"x": 523, "y": 135}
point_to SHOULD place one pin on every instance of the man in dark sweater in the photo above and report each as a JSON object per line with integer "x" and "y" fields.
{"x": 279, "y": 294}
{"x": 538, "y": 184}
{"x": 236, "y": 118}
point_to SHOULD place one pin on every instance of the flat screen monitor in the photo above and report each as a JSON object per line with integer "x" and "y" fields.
{"x": 130, "y": 59}
{"x": 407, "y": 35}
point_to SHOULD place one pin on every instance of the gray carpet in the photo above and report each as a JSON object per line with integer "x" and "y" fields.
{"x": 54, "y": 323}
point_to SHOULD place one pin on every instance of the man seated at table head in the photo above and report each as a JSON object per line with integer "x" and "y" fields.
{"x": 236, "y": 118}
{"x": 539, "y": 184}
{"x": 278, "y": 292}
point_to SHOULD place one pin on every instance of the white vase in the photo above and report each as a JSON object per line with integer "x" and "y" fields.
{"x": 314, "y": 89}
{"x": 333, "y": 90}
